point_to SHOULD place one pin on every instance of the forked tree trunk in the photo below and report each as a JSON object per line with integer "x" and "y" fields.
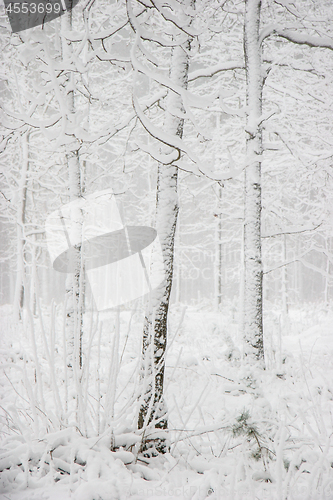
{"x": 153, "y": 408}
{"x": 253, "y": 325}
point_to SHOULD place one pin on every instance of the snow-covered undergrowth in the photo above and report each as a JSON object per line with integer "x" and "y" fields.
{"x": 235, "y": 433}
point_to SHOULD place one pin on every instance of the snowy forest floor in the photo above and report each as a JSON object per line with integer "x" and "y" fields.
{"x": 235, "y": 433}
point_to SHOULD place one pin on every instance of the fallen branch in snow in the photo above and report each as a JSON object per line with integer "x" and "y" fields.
{"x": 226, "y": 378}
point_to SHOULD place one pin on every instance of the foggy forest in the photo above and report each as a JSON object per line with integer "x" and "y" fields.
{"x": 166, "y": 249}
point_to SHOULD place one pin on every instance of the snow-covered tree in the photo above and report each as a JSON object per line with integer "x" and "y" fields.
{"x": 252, "y": 219}
{"x": 256, "y": 34}
{"x": 177, "y": 47}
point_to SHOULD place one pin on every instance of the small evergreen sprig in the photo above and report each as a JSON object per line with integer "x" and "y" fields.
{"x": 244, "y": 427}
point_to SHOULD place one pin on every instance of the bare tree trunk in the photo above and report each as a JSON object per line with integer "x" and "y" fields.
{"x": 153, "y": 407}
{"x": 253, "y": 326}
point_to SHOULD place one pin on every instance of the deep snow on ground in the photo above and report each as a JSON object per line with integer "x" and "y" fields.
{"x": 235, "y": 433}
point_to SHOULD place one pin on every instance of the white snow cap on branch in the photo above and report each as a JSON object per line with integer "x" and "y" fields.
{"x": 292, "y": 34}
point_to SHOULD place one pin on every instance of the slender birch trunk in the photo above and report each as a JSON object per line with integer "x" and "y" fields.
{"x": 20, "y": 221}
{"x": 218, "y": 257}
{"x": 179, "y": 267}
{"x": 153, "y": 407}
{"x": 284, "y": 281}
{"x": 327, "y": 281}
{"x": 253, "y": 326}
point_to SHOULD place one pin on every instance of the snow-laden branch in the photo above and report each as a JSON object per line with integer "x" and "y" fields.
{"x": 144, "y": 33}
{"x": 305, "y": 263}
{"x": 4, "y": 139}
{"x": 292, "y": 34}
{"x": 26, "y": 119}
{"x": 298, "y": 258}
{"x": 166, "y": 13}
{"x": 104, "y": 55}
{"x": 214, "y": 70}
{"x": 138, "y": 31}
{"x": 76, "y": 36}
{"x": 188, "y": 98}
{"x": 295, "y": 230}
{"x": 162, "y": 136}
{"x": 281, "y": 136}
{"x": 126, "y": 121}
{"x": 289, "y": 6}
{"x": 164, "y": 158}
